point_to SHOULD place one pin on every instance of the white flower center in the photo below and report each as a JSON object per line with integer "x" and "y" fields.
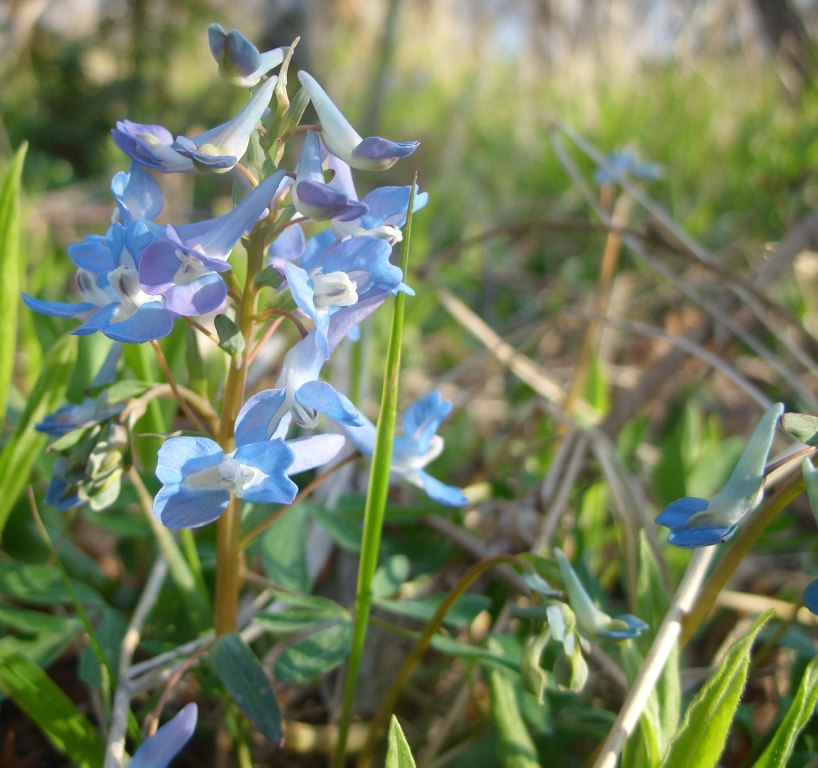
{"x": 333, "y": 290}
{"x": 229, "y": 475}
{"x": 125, "y": 282}
{"x": 190, "y": 268}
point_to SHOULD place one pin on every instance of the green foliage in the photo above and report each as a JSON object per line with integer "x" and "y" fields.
{"x": 780, "y": 749}
{"x": 46, "y": 704}
{"x": 248, "y": 684}
{"x": 516, "y": 748}
{"x": 700, "y": 740}
{"x": 398, "y": 754}
{"x": 20, "y": 453}
{"x": 10, "y": 267}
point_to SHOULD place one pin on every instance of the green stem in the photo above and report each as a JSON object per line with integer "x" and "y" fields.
{"x": 388, "y": 704}
{"x": 228, "y": 552}
{"x": 375, "y": 503}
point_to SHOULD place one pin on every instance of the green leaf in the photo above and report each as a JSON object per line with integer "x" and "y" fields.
{"x": 516, "y": 747}
{"x": 284, "y": 550}
{"x": 44, "y": 702}
{"x": 248, "y": 684}
{"x": 9, "y": 271}
{"x": 20, "y": 453}
{"x": 398, "y": 754}
{"x": 36, "y": 622}
{"x": 121, "y": 390}
{"x": 703, "y": 733}
{"x": 801, "y": 710}
{"x": 41, "y": 584}
{"x": 230, "y": 338}
{"x": 345, "y": 526}
{"x": 801, "y": 425}
{"x": 316, "y": 654}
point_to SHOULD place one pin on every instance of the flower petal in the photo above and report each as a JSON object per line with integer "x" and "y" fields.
{"x": 158, "y": 750}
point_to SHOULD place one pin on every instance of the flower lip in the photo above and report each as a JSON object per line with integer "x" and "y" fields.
{"x": 240, "y": 62}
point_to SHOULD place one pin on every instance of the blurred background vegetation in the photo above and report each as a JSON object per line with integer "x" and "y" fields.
{"x": 721, "y": 93}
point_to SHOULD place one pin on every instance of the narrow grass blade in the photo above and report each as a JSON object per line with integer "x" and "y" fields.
{"x": 516, "y": 747}
{"x": 398, "y": 754}
{"x": 376, "y": 498}
{"x": 44, "y": 702}
{"x": 703, "y": 734}
{"x": 20, "y": 453}
{"x": 9, "y": 271}
{"x": 801, "y": 710}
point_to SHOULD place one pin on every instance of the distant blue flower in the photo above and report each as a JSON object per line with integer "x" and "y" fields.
{"x": 354, "y": 269}
{"x": 183, "y": 267}
{"x": 340, "y": 138}
{"x": 158, "y": 750}
{"x": 418, "y": 446}
{"x": 626, "y": 164}
{"x": 240, "y": 62}
{"x": 696, "y": 522}
{"x": 312, "y": 196}
{"x": 591, "y": 620}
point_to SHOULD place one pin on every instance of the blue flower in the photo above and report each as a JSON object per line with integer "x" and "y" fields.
{"x": 150, "y": 147}
{"x": 137, "y": 195}
{"x": 240, "y": 62}
{"x": 300, "y": 393}
{"x": 198, "y": 478}
{"x": 696, "y": 522}
{"x": 353, "y": 270}
{"x": 158, "y": 750}
{"x": 626, "y": 163}
{"x": 341, "y": 139}
{"x": 312, "y": 196}
{"x": 218, "y": 149}
{"x": 132, "y": 315}
{"x": 590, "y": 619}
{"x": 184, "y": 269}
{"x": 419, "y": 445}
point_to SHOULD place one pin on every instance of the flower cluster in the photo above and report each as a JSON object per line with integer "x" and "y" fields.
{"x": 326, "y": 251}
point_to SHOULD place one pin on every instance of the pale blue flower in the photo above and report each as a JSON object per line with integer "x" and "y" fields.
{"x": 591, "y": 619}
{"x": 696, "y": 522}
{"x": 418, "y": 446}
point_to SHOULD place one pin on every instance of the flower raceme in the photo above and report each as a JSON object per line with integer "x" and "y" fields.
{"x": 696, "y": 522}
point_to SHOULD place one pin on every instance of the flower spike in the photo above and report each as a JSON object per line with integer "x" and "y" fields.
{"x": 340, "y": 138}
{"x": 696, "y": 522}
